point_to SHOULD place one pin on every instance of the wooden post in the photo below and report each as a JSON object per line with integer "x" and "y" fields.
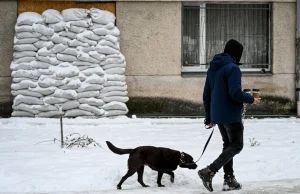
{"x": 61, "y": 127}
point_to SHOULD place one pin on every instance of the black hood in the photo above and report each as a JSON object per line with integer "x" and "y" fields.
{"x": 235, "y": 50}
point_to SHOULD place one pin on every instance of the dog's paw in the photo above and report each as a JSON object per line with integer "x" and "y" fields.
{"x": 146, "y": 186}
{"x": 119, "y": 187}
{"x": 161, "y": 185}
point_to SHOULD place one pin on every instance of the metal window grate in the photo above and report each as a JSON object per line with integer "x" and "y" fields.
{"x": 207, "y": 28}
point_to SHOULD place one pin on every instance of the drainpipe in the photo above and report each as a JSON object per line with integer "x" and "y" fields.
{"x": 298, "y": 58}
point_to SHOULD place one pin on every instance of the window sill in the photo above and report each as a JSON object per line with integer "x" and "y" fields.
{"x": 245, "y": 74}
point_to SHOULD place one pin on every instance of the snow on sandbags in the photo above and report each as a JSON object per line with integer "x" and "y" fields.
{"x": 69, "y": 59}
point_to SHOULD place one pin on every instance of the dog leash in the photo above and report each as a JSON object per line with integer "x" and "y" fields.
{"x": 208, "y": 140}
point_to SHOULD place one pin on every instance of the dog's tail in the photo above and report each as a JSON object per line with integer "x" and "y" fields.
{"x": 116, "y": 150}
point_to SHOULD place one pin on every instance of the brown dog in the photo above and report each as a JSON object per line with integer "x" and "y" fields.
{"x": 163, "y": 160}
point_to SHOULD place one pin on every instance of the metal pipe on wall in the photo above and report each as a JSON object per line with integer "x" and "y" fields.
{"x": 298, "y": 57}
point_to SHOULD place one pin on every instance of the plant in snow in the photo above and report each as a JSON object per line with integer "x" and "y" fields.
{"x": 253, "y": 142}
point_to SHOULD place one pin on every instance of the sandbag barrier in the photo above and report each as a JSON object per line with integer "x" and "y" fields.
{"x": 69, "y": 59}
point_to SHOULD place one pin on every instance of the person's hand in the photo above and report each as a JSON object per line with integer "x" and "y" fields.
{"x": 210, "y": 125}
{"x": 256, "y": 100}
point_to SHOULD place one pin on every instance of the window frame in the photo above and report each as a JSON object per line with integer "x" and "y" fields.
{"x": 202, "y": 68}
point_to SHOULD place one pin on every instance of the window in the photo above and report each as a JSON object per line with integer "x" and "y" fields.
{"x": 206, "y": 27}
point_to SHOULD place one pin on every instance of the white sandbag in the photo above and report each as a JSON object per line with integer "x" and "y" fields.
{"x": 26, "y": 93}
{"x": 18, "y": 113}
{"x": 115, "y": 106}
{"x": 114, "y": 31}
{"x": 71, "y": 104}
{"x": 115, "y": 77}
{"x": 111, "y": 38}
{"x": 76, "y": 43}
{"x": 25, "y": 107}
{"x": 60, "y": 39}
{"x": 65, "y": 70}
{"x": 75, "y": 14}
{"x": 21, "y": 54}
{"x": 39, "y": 65}
{"x": 115, "y": 58}
{"x": 43, "y": 29}
{"x": 70, "y": 35}
{"x": 97, "y": 55}
{"x": 54, "y": 100}
{"x": 25, "y": 40}
{"x": 105, "y": 67}
{"x": 100, "y": 31}
{"x": 32, "y": 74}
{"x": 114, "y": 113}
{"x": 113, "y": 93}
{"x": 82, "y": 68}
{"x": 84, "y": 63}
{"x": 59, "y": 48}
{"x": 45, "y": 38}
{"x": 45, "y": 108}
{"x": 43, "y": 43}
{"x": 104, "y": 42}
{"x": 24, "y": 60}
{"x": 27, "y": 100}
{"x": 44, "y": 72}
{"x": 89, "y": 87}
{"x": 23, "y": 28}
{"x": 28, "y": 35}
{"x": 76, "y": 29}
{"x": 71, "y": 84}
{"x": 66, "y": 58}
{"x": 25, "y": 47}
{"x": 114, "y": 83}
{"x": 114, "y": 88}
{"x": 51, "y": 16}
{"x": 90, "y": 35}
{"x": 81, "y": 38}
{"x": 77, "y": 113}
{"x": 95, "y": 79}
{"x": 91, "y": 101}
{"x": 49, "y": 114}
{"x": 71, "y": 51}
{"x": 91, "y": 71}
{"x": 25, "y": 84}
{"x": 19, "y": 79}
{"x": 44, "y": 91}
{"x": 106, "y": 50}
{"x": 86, "y": 57}
{"x": 29, "y": 18}
{"x": 86, "y": 49}
{"x": 69, "y": 94}
{"x": 88, "y": 94}
{"x": 110, "y": 25}
{"x": 46, "y": 82}
{"x": 102, "y": 16}
{"x": 45, "y": 52}
{"x": 115, "y": 98}
{"x": 81, "y": 23}
{"x": 51, "y": 60}
{"x": 58, "y": 27}
{"x": 92, "y": 109}
{"x": 116, "y": 70}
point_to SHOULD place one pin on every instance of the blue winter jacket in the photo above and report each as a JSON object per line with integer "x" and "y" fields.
{"x": 223, "y": 97}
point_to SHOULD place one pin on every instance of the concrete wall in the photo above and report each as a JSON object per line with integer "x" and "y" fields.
{"x": 151, "y": 43}
{"x": 8, "y": 15}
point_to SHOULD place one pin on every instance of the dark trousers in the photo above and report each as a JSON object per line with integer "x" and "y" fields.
{"x": 232, "y": 135}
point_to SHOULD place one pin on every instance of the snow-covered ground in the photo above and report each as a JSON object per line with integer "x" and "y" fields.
{"x": 28, "y": 167}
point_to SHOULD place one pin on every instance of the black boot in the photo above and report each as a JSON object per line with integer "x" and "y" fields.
{"x": 206, "y": 175}
{"x": 230, "y": 183}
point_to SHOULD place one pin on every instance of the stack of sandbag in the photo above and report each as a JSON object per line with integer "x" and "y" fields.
{"x": 70, "y": 60}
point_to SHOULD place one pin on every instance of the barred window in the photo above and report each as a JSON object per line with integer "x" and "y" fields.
{"x": 206, "y": 27}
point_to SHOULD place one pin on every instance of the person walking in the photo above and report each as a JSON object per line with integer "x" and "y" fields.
{"x": 223, "y": 100}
